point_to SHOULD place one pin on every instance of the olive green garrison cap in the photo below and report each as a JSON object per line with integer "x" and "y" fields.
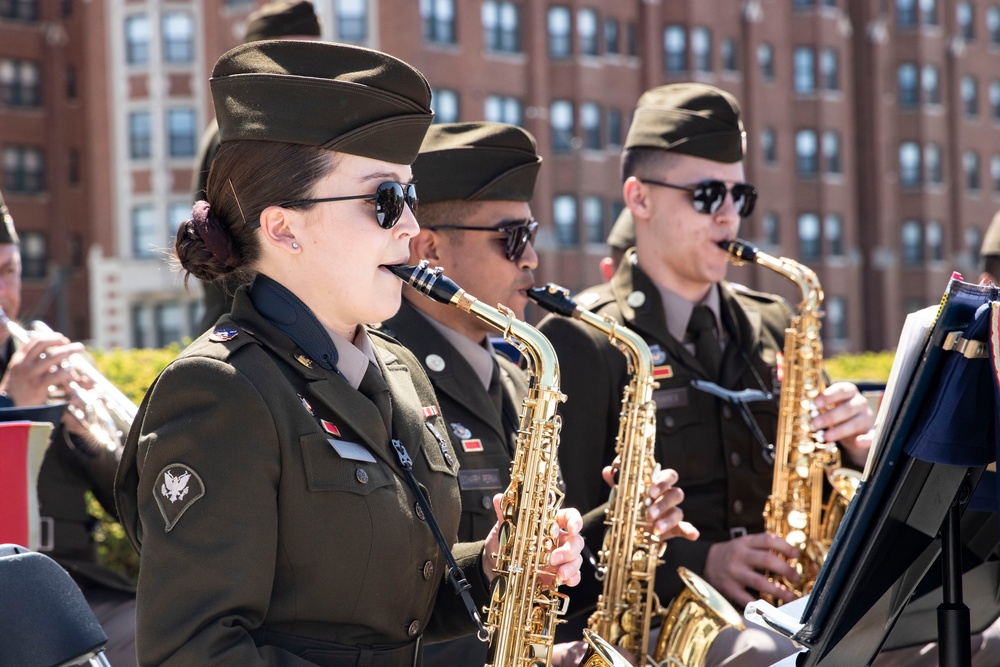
{"x": 287, "y": 18}
{"x": 476, "y": 161}
{"x": 689, "y": 118}
{"x": 334, "y": 96}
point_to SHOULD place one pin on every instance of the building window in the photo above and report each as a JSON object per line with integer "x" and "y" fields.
{"x": 771, "y": 229}
{"x": 906, "y": 79}
{"x": 137, "y": 39}
{"x": 973, "y": 243}
{"x": 833, "y": 230}
{"x": 593, "y": 222}
{"x": 631, "y": 39}
{"x": 994, "y": 95}
{"x": 73, "y": 166}
{"x": 909, "y": 164}
{"x": 147, "y": 238}
{"x": 70, "y": 82}
{"x": 805, "y": 69}
{"x": 140, "y": 135}
{"x": 351, "y": 20}
{"x": 34, "y": 255}
{"x": 586, "y": 29}
{"x": 561, "y": 116}
{"x": 727, "y": 51}
{"x": 769, "y": 146}
{"x": 590, "y": 123}
{"x": 809, "y": 236}
{"x": 503, "y": 110}
{"x": 560, "y": 41}
{"x": 806, "y": 153}
{"x": 913, "y": 243}
{"x": 21, "y": 10}
{"x": 836, "y": 318}
{"x": 829, "y": 67}
{"x": 995, "y": 173}
{"x": 701, "y": 49}
{"x": 444, "y": 103}
{"x": 765, "y": 60}
{"x": 831, "y": 151}
{"x": 963, "y": 16}
{"x": 906, "y": 14}
{"x": 931, "y": 84}
{"x": 169, "y": 323}
{"x": 970, "y": 165}
{"x": 935, "y": 242}
{"x": 178, "y": 37}
{"x": 803, "y": 5}
{"x": 993, "y": 24}
{"x": 181, "y": 132}
{"x": 932, "y": 164}
{"x": 611, "y": 36}
{"x": 928, "y": 12}
{"x": 970, "y": 96}
{"x": 438, "y": 19}
{"x": 23, "y": 169}
{"x": 564, "y": 217}
{"x": 501, "y": 27}
{"x": 177, "y": 214}
{"x": 675, "y": 49}
{"x": 614, "y": 127}
{"x": 20, "y": 83}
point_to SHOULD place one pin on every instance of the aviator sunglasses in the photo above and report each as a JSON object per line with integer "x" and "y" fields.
{"x": 708, "y": 196}
{"x": 389, "y": 199}
{"x": 519, "y": 234}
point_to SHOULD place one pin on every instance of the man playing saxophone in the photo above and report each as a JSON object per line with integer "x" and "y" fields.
{"x": 684, "y": 187}
{"x": 475, "y": 183}
{"x": 74, "y": 462}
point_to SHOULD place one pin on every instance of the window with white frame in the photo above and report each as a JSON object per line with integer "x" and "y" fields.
{"x": 178, "y": 37}
{"x": 935, "y": 241}
{"x": 932, "y": 164}
{"x": 586, "y": 30}
{"x": 829, "y": 65}
{"x": 727, "y": 52}
{"x": 930, "y": 81}
{"x": 444, "y": 103}
{"x": 351, "y": 20}
{"x": 964, "y": 18}
{"x": 182, "y": 132}
{"x": 909, "y": 164}
{"x": 970, "y": 165}
{"x": 809, "y": 236}
{"x": 833, "y": 231}
{"x": 836, "y": 318}
{"x": 560, "y": 37}
{"x": 913, "y": 243}
{"x": 34, "y": 255}
{"x": 500, "y": 109}
{"x": 906, "y": 81}
{"x": 593, "y": 219}
{"x": 994, "y": 95}
{"x": 906, "y": 14}
{"x": 804, "y": 62}
{"x": 701, "y": 49}
{"x": 501, "y": 27}
{"x": 614, "y": 127}
{"x": 137, "y": 35}
{"x": 769, "y": 146}
{"x": 831, "y": 151}
{"x": 147, "y": 234}
{"x": 995, "y": 173}
{"x": 561, "y": 117}
{"x": 590, "y": 124}
{"x": 675, "y": 49}
{"x": 806, "y": 153}
{"x": 20, "y": 83}
{"x": 928, "y": 12}
{"x": 771, "y": 229}
{"x": 993, "y": 24}
{"x": 438, "y": 19}
{"x": 970, "y": 96}
{"x": 611, "y": 43}
{"x": 23, "y": 169}
{"x": 140, "y": 135}
{"x": 765, "y": 61}
{"x": 564, "y": 217}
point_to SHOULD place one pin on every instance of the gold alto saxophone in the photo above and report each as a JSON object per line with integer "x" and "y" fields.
{"x": 632, "y": 551}
{"x": 802, "y": 458}
{"x": 524, "y": 607}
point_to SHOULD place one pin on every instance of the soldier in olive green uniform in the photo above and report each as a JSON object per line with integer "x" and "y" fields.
{"x": 475, "y": 183}
{"x": 274, "y": 480}
{"x": 682, "y": 172}
{"x": 989, "y": 253}
{"x": 73, "y": 465}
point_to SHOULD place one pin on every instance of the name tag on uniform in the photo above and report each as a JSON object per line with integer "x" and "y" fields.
{"x": 671, "y": 398}
{"x": 351, "y": 450}
{"x": 477, "y": 480}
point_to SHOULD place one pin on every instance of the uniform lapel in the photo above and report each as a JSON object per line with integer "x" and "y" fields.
{"x": 743, "y": 325}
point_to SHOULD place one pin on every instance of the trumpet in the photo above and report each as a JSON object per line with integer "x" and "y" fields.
{"x": 106, "y": 412}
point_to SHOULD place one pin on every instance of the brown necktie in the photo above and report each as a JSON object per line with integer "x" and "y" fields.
{"x": 701, "y": 329}
{"x": 374, "y": 387}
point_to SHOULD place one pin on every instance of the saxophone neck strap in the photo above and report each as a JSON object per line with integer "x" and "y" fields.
{"x": 455, "y": 574}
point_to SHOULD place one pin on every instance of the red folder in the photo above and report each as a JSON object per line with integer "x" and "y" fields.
{"x": 22, "y": 448}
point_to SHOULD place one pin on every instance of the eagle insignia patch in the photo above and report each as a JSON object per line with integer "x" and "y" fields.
{"x": 177, "y": 487}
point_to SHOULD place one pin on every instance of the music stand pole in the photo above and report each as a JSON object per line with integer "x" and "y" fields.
{"x": 954, "y": 633}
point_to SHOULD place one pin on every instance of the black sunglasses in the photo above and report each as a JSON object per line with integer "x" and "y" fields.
{"x": 389, "y": 198}
{"x": 519, "y": 235}
{"x": 708, "y": 196}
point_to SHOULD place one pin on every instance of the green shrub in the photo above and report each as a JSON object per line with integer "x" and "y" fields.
{"x": 867, "y": 366}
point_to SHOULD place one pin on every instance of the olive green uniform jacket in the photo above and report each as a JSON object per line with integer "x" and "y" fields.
{"x": 722, "y": 467}
{"x": 290, "y": 548}
{"x": 483, "y": 439}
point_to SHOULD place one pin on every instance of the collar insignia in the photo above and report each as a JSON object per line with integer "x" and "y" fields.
{"x": 222, "y": 334}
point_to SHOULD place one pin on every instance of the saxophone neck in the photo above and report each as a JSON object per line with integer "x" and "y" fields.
{"x": 801, "y": 275}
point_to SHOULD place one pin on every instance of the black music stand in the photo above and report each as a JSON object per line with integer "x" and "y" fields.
{"x": 910, "y": 505}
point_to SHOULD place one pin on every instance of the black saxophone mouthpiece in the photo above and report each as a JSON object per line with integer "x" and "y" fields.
{"x": 429, "y": 282}
{"x": 739, "y": 249}
{"x": 554, "y": 299}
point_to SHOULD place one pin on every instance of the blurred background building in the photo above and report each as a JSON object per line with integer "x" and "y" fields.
{"x": 874, "y": 134}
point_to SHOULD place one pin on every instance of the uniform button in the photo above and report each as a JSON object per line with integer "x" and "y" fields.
{"x": 727, "y": 412}
{"x": 428, "y": 570}
{"x": 487, "y": 502}
{"x": 419, "y": 510}
{"x": 735, "y": 459}
{"x": 362, "y": 476}
{"x": 738, "y": 507}
{"x": 668, "y": 421}
{"x": 414, "y": 629}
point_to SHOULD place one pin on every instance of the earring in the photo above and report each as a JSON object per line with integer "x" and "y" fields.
{"x": 295, "y": 245}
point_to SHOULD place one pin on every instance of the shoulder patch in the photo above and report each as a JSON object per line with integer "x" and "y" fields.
{"x": 176, "y": 488}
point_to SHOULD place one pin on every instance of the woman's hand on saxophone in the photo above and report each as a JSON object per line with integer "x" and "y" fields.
{"x": 36, "y": 366}
{"x": 565, "y": 558}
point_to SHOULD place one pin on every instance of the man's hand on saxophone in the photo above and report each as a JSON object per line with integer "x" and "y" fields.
{"x": 845, "y": 417}
{"x": 664, "y": 499}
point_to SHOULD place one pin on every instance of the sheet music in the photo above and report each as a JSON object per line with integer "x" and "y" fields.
{"x": 912, "y": 340}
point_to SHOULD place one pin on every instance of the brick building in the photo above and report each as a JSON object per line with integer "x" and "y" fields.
{"x": 872, "y": 133}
